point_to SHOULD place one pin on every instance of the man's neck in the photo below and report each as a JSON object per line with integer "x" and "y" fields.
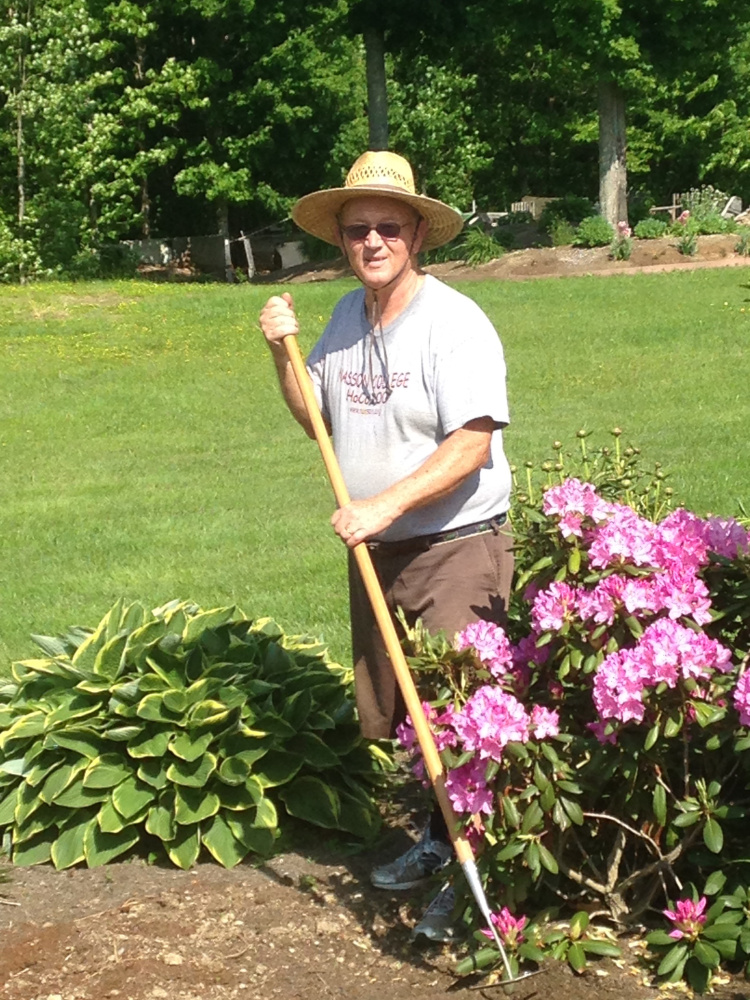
{"x": 386, "y": 304}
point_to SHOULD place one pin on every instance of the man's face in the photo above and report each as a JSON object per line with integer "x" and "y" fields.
{"x": 377, "y": 259}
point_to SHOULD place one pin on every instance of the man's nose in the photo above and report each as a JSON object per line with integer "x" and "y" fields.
{"x": 373, "y": 238}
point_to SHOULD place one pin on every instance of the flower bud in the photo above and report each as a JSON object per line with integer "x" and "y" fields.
{"x": 558, "y": 466}
{"x": 616, "y": 431}
{"x": 557, "y": 445}
{"x": 529, "y": 465}
{"x": 582, "y": 433}
{"x": 629, "y": 452}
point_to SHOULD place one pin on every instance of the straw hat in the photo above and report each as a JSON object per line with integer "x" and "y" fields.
{"x": 383, "y": 174}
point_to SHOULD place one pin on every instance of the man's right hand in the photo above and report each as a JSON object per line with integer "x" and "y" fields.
{"x": 278, "y": 319}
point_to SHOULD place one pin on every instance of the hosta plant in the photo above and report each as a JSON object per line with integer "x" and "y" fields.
{"x": 180, "y": 728}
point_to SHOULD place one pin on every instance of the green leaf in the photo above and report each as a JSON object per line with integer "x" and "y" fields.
{"x": 222, "y": 843}
{"x": 151, "y": 743}
{"x": 154, "y": 772}
{"x": 659, "y": 803}
{"x": 75, "y": 796}
{"x": 260, "y": 840}
{"x": 706, "y": 954}
{"x": 183, "y": 851}
{"x": 234, "y": 771}
{"x": 190, "y": 745}
{"x": 721, "y": 932}
{"x": 194, "y": 804}
{"x": 601, "y": 948}
{"x": 109, "y": 658}
{"x": 109, "y": 820}
{"x": 651, "y": 737}
{"x": 714, "y": 883}
{"x": 659, "y": 938}
{"x": 510, "y": 812}
{"x": 310, "y": 799}
{"x": 713, "y": 836}
{"x": 160, "y": 821}
{"x": 548, "y": 860}
{"x": 479, "y": 960}
{"x": 576, "y": 957}
{"x": 240, "y": 797}
{"x": 131, "y": 797}
{"x": 106, "y": 771}
{"x": 59, "y": 779}
{"x": 313, "y": 750}
{"x": 37, "y": 851}
{"x": 8, "y": 806}
{"x": 42, "y": 819}
{"x": 277, "y": 768}
{"x": 578, "y": 923}
{"x": 207, "y": 620}
{"x": 193, "y": 773}
{"x": 676, "y": 955}
{"x": 532, "y": 817}
{"x": 574, "y": 811}
{"x": 100, "y": 848}
{"x": 27, "y": 803}
{"x": 265, "y": 814}
{"x": 153, "y": 709}
{"x": 86, "y": 742}
{"x": 68, "y": 849}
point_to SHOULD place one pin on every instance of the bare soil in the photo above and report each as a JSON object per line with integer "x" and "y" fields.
{"x": 304, "y": 926}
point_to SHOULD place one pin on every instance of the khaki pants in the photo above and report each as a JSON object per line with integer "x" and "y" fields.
{"x": 447, "y": 585}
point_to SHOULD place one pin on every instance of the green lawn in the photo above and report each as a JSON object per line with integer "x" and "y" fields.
{"x": 146, "y": 452}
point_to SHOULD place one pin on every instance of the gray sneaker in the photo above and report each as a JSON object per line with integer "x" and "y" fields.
{"x": 421, "y": 860}
{"x": 437, "y": 921}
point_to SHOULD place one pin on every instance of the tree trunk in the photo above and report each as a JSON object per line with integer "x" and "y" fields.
{"x": 377, "y": 97}
{"x": 613, "y": 177}
{"x": 21, "y": 158}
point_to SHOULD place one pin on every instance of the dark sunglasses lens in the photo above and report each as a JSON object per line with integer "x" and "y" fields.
{"x": 386, "y": 230}
{"x": 356, "y": 232}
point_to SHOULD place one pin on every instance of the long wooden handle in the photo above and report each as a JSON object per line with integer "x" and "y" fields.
{"x": 426, "y": 740}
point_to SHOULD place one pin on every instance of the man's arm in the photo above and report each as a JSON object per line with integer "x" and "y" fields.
{"x": 459, "y": 456}
{"x": 278, "y": 320}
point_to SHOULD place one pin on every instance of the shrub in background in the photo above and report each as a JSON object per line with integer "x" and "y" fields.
{"x": 180, "y": 728}
{"x": 742, "y": 246}
{"x": 571, "y": 208}
{"x": 479, "y": 247}
{"x": 621, "y": 246}
{"x": 599, "y": 749}
{"x": 651, "y": 228}
{"x": 594, "y": 231}
{"x": 562, "y": 233}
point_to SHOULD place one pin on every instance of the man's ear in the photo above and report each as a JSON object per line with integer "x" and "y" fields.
{"x": 419, "y": 235}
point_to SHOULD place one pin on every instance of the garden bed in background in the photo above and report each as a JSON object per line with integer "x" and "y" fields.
{"x": 555, "y": 262}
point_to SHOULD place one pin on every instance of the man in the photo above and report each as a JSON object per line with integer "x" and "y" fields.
{"x": 410, "y": 378}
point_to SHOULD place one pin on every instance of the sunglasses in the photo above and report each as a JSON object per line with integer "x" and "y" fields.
{"x": 386, "y": 230}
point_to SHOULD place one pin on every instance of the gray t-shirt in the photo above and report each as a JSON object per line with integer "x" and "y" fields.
{"x": 391, "y": 398}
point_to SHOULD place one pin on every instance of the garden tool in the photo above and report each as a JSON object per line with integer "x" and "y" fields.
{"x": 432, "y": 761}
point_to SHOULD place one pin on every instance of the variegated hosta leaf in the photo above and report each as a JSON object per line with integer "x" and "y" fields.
{"x": 198, "y": 728}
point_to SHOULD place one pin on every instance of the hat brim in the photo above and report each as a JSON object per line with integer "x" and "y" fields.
{"x": 316, "y": 213}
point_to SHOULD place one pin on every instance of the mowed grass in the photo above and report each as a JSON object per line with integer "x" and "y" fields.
{"x": 146, "y": 452}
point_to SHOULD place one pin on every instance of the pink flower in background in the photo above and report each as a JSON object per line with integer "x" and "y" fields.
{"x": 688, "y": 918}
{"x": 623, "y": 538}
{"x": 553, "y": 607}
{"x": 683, "y": 217}
{"x": 439, "y": 722}
{"x": 742, "y": 699}
{"x": 574, "y": 498}
{"x": 618, "y": 687}
{"x": 526, "y": 651}
{"x": 726, "y": 537}
{"x": 544, "y": 722}
{"x": 489, "y": 720}
{"x": 491, "y": 644}
{"x": 509, "y": 928}
{"x": 623, "y": 230}
{"x": 467, "y": 788}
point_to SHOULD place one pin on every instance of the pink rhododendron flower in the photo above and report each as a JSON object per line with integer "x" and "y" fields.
{"x": 688, "y": 918}
{"x": 618, "y": 687}
{"x": 726, "y": 537}
{"x": 440, "y": 724}
{"x": 572, "y": 501}
{"x": 742, "y": 699}
{"x": 491, "y": 644}
{"x": 623, "y": 230}
{"x": 467, "y": 788}
{"x": 553, "y": 607}
{"x": 683, "y": 217}
{"x": 544, "y": 722}
{"x": 509, "y": 928}
{"x": 526, "y": 651}
{"x": 490, "y": 720}
{"x": 682, "y": 593}
{"x": 623, "y": 538}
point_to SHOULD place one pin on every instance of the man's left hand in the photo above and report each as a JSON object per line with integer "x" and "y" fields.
{"x": 361, "y": 519}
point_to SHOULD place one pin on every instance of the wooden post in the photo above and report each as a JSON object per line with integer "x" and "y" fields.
{"x": 248, "y": 254}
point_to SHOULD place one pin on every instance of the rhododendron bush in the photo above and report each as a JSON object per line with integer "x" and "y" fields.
{"x": 597, "y": 748}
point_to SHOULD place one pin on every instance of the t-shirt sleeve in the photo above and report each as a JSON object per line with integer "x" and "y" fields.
{"x": 470, "y": 373}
